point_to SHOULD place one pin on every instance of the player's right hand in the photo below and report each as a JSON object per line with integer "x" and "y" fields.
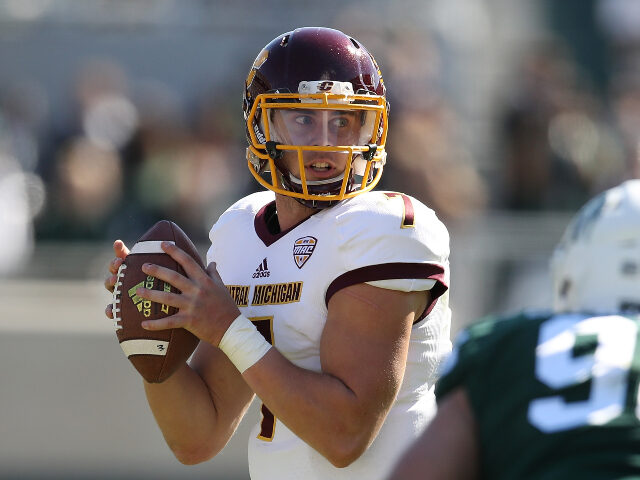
{"x": 121, "y": 251}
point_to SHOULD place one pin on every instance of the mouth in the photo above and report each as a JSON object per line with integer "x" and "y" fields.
{"x": 320, "y": 169}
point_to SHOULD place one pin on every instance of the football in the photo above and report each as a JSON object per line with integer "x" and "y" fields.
{"x": 155, "y": 354}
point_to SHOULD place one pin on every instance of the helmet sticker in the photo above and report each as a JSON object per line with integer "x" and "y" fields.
{"x": 260, "y": 59}
{"x": 257, "y": 63}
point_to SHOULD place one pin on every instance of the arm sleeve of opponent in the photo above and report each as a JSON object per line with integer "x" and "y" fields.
{"x": 471, "y": 363}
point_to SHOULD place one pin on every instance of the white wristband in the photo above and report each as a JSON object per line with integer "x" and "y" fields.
{"x": 243, "y": 344}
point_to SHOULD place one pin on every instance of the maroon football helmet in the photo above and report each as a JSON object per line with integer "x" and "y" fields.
{"x": 314, "y": 101}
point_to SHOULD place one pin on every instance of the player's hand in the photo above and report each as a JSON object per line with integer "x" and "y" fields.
{"x": 205, "y": 306}
{"x": 121, "y": 251}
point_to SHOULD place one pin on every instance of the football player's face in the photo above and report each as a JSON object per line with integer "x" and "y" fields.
{"x": 315, "y": 127}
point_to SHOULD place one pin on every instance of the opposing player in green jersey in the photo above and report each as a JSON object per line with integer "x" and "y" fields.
{"x": 550, "y": 395}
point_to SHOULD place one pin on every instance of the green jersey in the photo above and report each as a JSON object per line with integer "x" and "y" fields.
{"x": 555, "y": 396}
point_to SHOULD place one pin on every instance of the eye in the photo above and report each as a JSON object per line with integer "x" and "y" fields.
{"x": 303, "y": 120}
{"x": 340, "y": 122}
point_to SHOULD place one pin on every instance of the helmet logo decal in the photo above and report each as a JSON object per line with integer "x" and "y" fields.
{"x": 325, "y": 86}
{"x": 303, "y": 249}
{"x": 257, "y": 63}
{"x": 260, "y": 59}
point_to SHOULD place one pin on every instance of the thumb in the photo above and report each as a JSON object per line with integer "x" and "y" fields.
{"x": 120, "y": 249}
{"x": 212, "y": 271}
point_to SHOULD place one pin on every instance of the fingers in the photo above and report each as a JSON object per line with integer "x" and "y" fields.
{"x": 110, "y": 281}
{"x": 170, "y": 276}
{"x": 109, "y": 311}
{"x": 162, "y": 297}
{"x": 190, "y": 266}
{"x": 173, "y": 321}
{"x": 213, "y": 274}
{"x": 120, "y": 249}
{"x": 115, "y": 264}
{"x": 212, "y": 271}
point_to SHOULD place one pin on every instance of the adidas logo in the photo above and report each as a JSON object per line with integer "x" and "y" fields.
{"x": 144, "y": 306}
{"x": 262, "y": 271}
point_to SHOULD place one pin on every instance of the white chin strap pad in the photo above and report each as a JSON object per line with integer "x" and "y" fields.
{"x": 297, "y": 181}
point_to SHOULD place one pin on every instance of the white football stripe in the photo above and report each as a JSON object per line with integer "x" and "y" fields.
{"x": 144, "y": 347}
{"x": 151, "y": 246}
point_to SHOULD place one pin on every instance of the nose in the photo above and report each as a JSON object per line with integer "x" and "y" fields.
{"x": 320, "y": 134}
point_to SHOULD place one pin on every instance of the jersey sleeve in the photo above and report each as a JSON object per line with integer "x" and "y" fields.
{"x": 225, "y": 229}
{"x": 393, "y": 241}
{"x": 218, "y": 235}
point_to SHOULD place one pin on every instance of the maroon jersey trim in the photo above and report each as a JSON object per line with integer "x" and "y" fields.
{"x": 260, "y": 225}
{"x": 392, "y": 271}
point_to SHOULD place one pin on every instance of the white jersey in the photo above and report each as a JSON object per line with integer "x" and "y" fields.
{"x": 283, "y": 282}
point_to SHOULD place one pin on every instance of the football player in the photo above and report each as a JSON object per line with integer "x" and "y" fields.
{"x": 322, "y": 297}
{"x": 550, "y": 395}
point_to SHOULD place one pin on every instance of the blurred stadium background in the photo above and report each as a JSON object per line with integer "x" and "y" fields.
{"x": 506, "y": 116}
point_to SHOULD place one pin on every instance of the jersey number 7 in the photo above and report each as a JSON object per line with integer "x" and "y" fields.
{"x": 268, "y": 424}
{"x": 408, "y": 215}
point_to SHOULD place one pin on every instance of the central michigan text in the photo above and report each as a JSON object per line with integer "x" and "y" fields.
{"x": 277, "y": 293}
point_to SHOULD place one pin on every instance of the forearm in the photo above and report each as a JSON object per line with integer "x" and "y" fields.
{"x": 195, "y": 421}
{"x": 304, "y": 400}
{"x": 339, "y": 410}
{"x": 185, "y": 413}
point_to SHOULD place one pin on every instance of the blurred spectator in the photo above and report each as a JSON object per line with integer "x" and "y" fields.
{"x": 619, "y": 21}
{"x": 134, "y": 156}
{"x": 427, "y": 156}
{"x": 188, "y": 172}
{"x": 23, "y": 110}
{"x": 427, "y": 160}
{"x": 22, "y": 192}
{"x": 557, "y": 149}
{"x": 20, "y": 198}
{"x": 85, "y": 170}
{"x": 576, "y": 23}
{"x": 220, "y": 140}
{"x": 87, "y": 187}
{"x": 137, "y": 151}
{"x": 625, "y": 104}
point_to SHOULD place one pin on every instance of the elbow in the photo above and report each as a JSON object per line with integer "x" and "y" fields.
{"x": 343, "y": 452}
{"x": 188, "y": 460}
{"x": 193, "y": 455}
{"x": 349, "y": 439}
{"x": 345, "y": 458}
{"x": 190, "y": 457}
{"x": 343, "y": 461}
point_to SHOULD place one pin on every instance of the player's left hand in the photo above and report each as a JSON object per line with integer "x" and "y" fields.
{"x": 205, "y": 306}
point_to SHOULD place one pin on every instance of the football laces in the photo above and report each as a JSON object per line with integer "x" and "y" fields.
{"x": 115, "y": 307}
